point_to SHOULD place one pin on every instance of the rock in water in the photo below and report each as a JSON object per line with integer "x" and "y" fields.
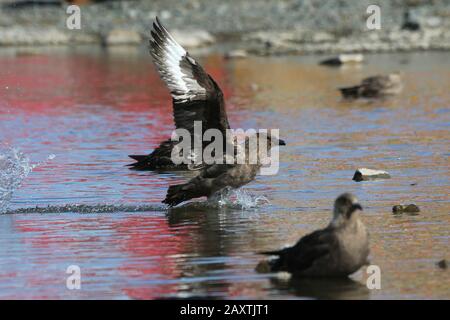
{"x": 364, "y": 174}
{"x": 410, "y": 208}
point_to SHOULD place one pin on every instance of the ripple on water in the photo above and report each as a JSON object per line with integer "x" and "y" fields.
{"x": 232, "y": 199}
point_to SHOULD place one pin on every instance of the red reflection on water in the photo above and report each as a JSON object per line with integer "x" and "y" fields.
{"x": 161, "y": 244}
{"x": 145, "y": 247}
{"x": 57, "y": 86}
{"x": 56, "y": 83}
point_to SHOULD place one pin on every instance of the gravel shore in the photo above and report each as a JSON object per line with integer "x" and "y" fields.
{"x": 261, "y": 27}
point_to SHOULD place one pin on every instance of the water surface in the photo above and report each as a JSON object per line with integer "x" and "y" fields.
{"x": 73, "y": 116}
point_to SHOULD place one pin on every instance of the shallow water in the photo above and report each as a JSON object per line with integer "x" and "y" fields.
{"x": 77, "y": 114}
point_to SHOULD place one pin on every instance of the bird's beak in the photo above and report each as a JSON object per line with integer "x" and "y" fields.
{"x": 356, "y": 206}
{"x": 281, "y": 142}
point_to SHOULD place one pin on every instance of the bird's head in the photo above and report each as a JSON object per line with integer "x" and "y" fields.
{"x": 345, "y": 205}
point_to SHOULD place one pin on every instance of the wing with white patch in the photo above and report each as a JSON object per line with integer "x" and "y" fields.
{"x": 179, "y": 71}
{"x": 196, "y": 96}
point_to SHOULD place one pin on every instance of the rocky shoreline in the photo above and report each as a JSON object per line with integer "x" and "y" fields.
{"x": 254, "y": 27}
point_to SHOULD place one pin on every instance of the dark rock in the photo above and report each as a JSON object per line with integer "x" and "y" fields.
{"x": 443, "y": 264}
{"x": 334, "y": 62}
{"x": 409, "y": 22}
{"x": 401, "y": 208}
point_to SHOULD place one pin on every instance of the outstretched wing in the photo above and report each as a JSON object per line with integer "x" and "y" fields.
{"x": 196, "y": 96}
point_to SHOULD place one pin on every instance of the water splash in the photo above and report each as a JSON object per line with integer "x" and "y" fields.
{"x": 85, "y": 208}
{"x": 14, "y": 168}
{"x": 238, "y": 198}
